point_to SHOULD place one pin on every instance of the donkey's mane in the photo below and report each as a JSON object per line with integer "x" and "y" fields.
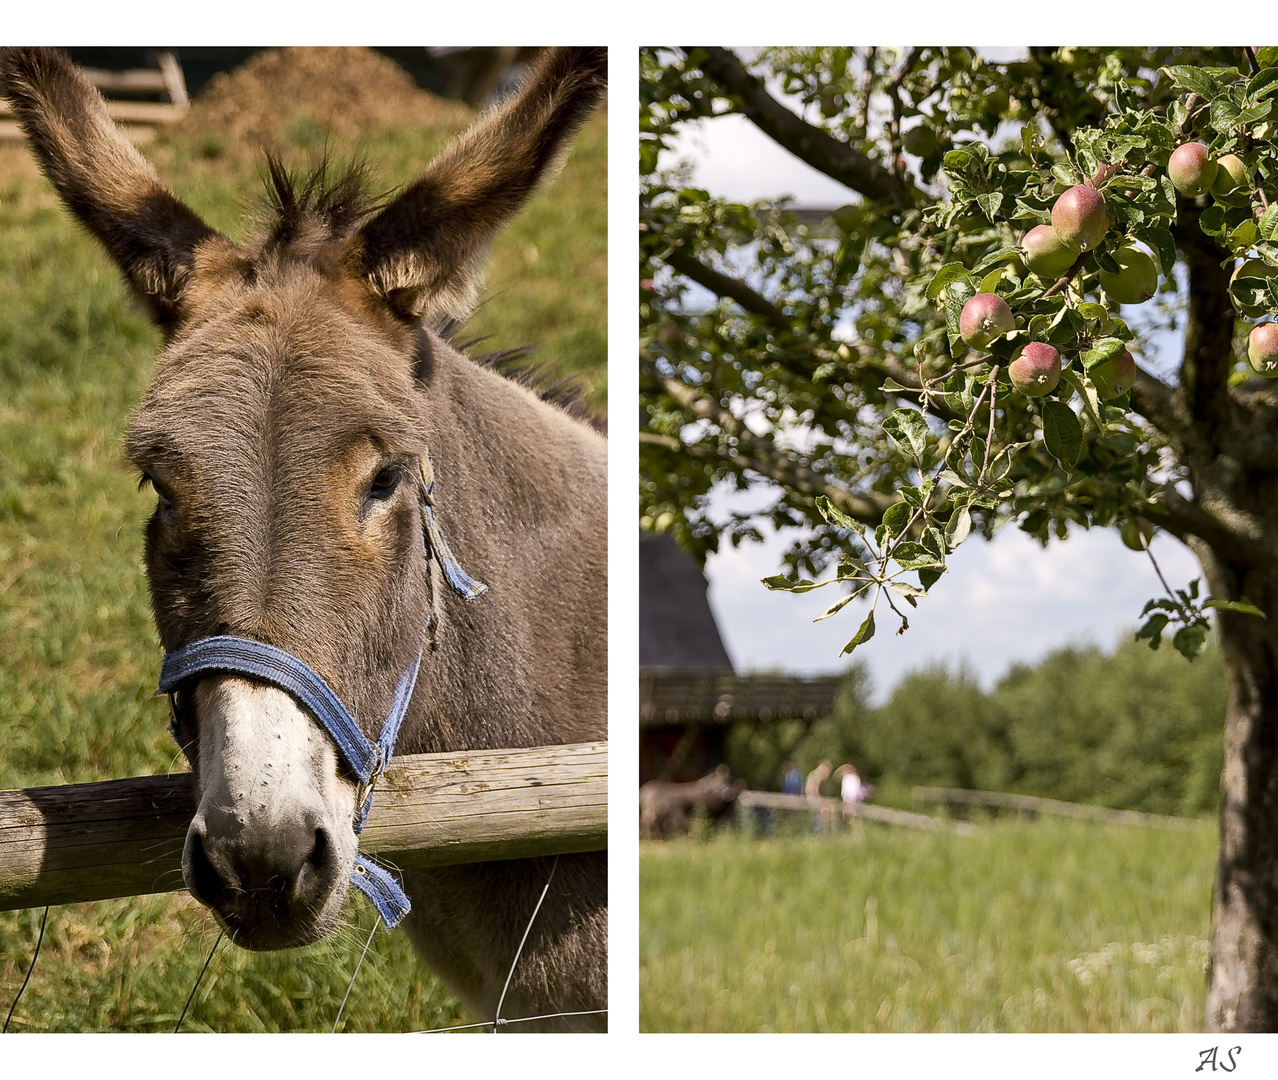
{"x": 337, "y": 198}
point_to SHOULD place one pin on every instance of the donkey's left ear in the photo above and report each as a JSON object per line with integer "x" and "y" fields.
{"x": 151, "y": 234}
{"x": 424, "y": 252}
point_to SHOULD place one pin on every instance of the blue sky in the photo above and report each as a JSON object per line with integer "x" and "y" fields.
{"x": 1002, "y": 602}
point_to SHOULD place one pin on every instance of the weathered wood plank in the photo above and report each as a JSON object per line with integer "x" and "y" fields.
{"x": 1035, "y": 805}
{"x": 775, "y": 800}
{"x": 117, "y": 838}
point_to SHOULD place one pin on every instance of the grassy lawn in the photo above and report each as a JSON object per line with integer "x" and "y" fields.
{"x": 1042, "y": 926}
{"x": 80, "y": 655}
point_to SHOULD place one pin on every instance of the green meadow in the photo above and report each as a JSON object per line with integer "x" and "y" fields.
{"x": 1026, "y": 926}
{"x": 78, "y": 653}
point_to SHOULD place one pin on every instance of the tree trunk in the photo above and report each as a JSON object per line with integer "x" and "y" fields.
{"x": 1242, "y": 977}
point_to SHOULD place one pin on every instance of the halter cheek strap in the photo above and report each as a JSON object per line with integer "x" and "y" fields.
{"x": 367, "y": 760}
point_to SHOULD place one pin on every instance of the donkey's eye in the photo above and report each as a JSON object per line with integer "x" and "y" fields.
{"x": 164, "y": 504}
{"x": 383, "y": 485}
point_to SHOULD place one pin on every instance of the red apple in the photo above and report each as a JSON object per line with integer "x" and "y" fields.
{"x": 1191, "y": 168}
{"x": 1079, "y": 218}
{"x": 1262, "y": 349}
{"x": 984, "y": 317}
{"x": 1035, "y": 369}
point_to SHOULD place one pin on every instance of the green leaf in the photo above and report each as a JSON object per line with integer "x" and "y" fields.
{"x": 1189, "y": 640}
{"x": 1153, "y": 630}
{"x": 1194, "y": 79}
{"x": 947, "y": 275}
{"x": 929, "y": 577}
{"x": 908, "y": 430}
{"x": 896, "y": 517}
{"x": 990, "y": 281}
{"x": 1087, "y": 393}
{"x": 1101, "y": 351}
{"x": 862, "y": 636}
{"x": 1062, "y": 433}
{"x": 836, "y": 607}
{"x": 837, "y": 517}
{"x": 1269, "y": 221}
{"x": 912, "y": 556}
{"x": 990, "y": 203}
{"x": 1242, "y": 607}
{"x": 958, "y": 527}
{"x": 781, "y": 583}
{"x": 1159, "y": 237}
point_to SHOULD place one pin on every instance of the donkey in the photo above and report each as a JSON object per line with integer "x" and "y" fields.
{"x": 664, "y": 806}
{"x": 308, "y": 433}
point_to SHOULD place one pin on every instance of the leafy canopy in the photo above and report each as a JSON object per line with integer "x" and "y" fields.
{"x": 821, "y": 357}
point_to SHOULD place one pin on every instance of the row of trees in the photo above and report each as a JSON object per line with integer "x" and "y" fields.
{"x": 1133, "y": 729}
{"x": 834, "y": 364}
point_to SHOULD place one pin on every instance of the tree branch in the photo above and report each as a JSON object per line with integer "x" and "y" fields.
{"x": 819, "y": 149}
{"x": 759, "y": 455}
{"x": 680, "y": 261}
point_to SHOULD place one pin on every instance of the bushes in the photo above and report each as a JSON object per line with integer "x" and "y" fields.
{"x": 1133, "y": 729}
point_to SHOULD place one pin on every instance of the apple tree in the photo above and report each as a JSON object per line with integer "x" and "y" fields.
{"x": 979, "y": 338}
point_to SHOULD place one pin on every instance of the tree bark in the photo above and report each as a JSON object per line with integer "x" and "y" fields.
{"x": 1242, "y": 977}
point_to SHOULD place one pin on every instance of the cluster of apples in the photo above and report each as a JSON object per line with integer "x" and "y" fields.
{"x": 1035, "y": 368}
{"x": 1195, "y": 172}
{"x": 1079, "y": 224}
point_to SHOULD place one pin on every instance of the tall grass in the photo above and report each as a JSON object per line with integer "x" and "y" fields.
{"x": 78, "y": 653}
{"x": 1041, "y": 927}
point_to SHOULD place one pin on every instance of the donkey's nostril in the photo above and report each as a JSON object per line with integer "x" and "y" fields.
{"x": 206, "y": 884}
{"x": 319, "y": 853}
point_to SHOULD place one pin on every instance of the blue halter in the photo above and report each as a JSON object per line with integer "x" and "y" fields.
{"x": 367, "y": 760}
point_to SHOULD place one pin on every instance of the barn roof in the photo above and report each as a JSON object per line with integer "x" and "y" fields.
{"x": 677, "y": 631}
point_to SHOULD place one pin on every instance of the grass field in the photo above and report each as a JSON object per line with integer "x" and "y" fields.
{"x": 1044, "y": 926}
{"x": 79, "y": 654}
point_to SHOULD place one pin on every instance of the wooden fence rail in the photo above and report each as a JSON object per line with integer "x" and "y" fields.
{"x": 774, "y": 800}
{"x": 77, "y": 842}
{"x": 1032, "y": 804}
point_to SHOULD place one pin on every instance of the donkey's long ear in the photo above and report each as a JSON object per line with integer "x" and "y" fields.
{"x": 102, "y": 178}
{"x": 424, "y": 252}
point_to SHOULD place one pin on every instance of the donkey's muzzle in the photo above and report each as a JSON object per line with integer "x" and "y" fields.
{"x": 267, "y": 887}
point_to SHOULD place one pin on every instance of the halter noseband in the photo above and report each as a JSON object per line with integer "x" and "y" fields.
{"x": 367, "y": 760}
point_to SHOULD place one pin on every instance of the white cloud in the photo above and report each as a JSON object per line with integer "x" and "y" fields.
{"x": 1002, "y": 602}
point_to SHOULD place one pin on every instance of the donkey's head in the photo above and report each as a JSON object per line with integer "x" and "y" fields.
{"x": 284, "y": 437}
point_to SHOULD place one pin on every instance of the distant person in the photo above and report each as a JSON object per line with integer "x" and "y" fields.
{"x": 791, "y": 779}
{"x": 821, "y": 814}
{"x": 852, "y": 789}
{"x": 817, "y": 777}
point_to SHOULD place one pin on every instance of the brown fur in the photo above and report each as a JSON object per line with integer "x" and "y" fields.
{"x": 297, "y": 370}
{"x": 664, "y": 806}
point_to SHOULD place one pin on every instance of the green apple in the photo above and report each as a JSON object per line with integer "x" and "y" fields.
{"x": 1045, "y": 255}
{"x": 1231, "y": 174}
{"x": 847, "y": 217}
{"x": 920, "y": 141}
{"x": 1191, "y": 169}
{"x": 1115, "y": 376}
{"x": 1136, "y": 280}
{"x": 1035, "y": 369}
{"x": 1079, "y": 218}
{"x": 983, "y": 318}
{"x": 1251, "y": 268}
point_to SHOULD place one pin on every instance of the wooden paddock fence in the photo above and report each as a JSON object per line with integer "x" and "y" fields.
{"x": 839, "y": 811}
{"x": 78, "y": 842}
{"x": 1032, "y": 804}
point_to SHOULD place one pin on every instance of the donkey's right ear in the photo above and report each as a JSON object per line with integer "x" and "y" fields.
{"x": 103, "y": 180}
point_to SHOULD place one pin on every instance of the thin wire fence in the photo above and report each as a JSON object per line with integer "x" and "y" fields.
{"x": 496, "y": 1024}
